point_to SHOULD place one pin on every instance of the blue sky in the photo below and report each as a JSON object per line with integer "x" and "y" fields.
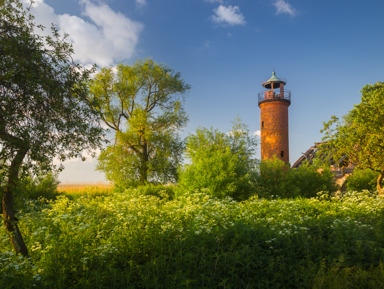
{"x": 327, "y": 50}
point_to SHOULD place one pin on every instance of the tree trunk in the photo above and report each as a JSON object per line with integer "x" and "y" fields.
{"x": 9, "y": 218}
{"x": 144, "y": 166}
{"x": 379, "y": 180}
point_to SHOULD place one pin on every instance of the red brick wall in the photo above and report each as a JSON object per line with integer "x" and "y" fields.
{"x": 274, "y": 130}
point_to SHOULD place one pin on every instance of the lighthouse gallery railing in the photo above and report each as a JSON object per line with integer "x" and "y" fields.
{"x": 268, "y": 95}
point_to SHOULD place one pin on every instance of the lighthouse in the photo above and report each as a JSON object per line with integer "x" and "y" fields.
{"x": 274, "y": 103}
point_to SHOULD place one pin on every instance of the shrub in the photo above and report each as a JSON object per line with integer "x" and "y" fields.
{"x": 33, "y": 187}
{"x": 277, "y": 179}
{"x": 362, "y": 180}
{"x": 272, "y": 178}
{"x": 221, "y": 164}
{"x": 166, "y": 192}
{"x": 309, "y": 180}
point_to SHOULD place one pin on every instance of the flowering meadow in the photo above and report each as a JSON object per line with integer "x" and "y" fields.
{"x": 128, "y": 240}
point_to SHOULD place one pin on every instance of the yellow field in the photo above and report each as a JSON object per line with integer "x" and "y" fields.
{"x": 85, "y": 189}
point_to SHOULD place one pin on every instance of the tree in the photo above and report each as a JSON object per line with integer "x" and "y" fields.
{"x": 222, "y": 163}
{"x": 43, "y": 107}
{"x": 360, "y": 134}
{"x": 142, "y": 103}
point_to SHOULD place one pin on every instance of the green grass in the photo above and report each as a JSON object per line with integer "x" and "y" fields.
{"x": 123, "y": 240}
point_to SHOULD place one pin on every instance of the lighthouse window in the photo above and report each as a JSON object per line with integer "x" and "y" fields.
{"x": 282, "y": 154}
{"x": 262, "y": 124}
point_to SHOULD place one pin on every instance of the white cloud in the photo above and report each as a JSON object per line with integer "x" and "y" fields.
{"x": 257, "y": 133}
{"x": 230, "y": 15}
{"x": 141, "y": 2}
{"x": 283, "y": 7}
{"x": 107, "y": 38}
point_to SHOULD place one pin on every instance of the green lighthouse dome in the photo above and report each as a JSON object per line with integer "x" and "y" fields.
{"x": 273, "y": 81}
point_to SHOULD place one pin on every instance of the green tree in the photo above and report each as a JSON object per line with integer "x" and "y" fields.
{"x": 222, "y": 163}
{"x": 43, "y": 107}
{"x": 360, "y": 134}
{"x": 142, "y": 103}
{"x": 277, "y": 179}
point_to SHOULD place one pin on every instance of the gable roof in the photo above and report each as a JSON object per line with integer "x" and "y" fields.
{"x": 315, "y": 152}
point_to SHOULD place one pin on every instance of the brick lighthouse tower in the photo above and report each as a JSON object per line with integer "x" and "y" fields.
{"x": 273, "y": 104}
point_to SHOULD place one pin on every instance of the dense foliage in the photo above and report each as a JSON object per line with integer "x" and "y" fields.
{"x": 44, "y": 112}
{"x": 362, "y": 180}
{"x": 276, "y": 179}
{"x": 35, "y": 186}
{"x": 360, "y": 136}
{"x": 222, "y": 164}
{"x": 197, "y": 241}
{"x": 43, "y": 107}
{"x": 143, "y": 105}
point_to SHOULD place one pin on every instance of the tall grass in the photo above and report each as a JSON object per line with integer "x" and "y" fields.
{"x": 77, "y": 190}
{"x": 126, "y": 240}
